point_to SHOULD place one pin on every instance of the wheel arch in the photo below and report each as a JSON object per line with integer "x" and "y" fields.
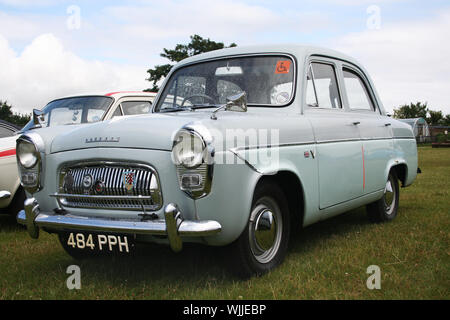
{"x": 401, "y": 169}
{"x": 292, "y": 187}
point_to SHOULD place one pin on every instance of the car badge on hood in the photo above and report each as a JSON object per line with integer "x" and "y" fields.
{"x": 101, "y": 139}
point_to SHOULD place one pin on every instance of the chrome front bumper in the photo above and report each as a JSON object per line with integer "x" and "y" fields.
{"x": 173, "y": 226}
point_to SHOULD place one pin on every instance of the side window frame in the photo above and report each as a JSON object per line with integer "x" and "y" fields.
{"x": 336, "y": 67}
{"x": 119, "y": 102}
{"x": 375, "y": 107}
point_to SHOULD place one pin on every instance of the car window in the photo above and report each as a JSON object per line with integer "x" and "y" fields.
{"x": 357, "y": 94}
{"x": 136, "y": 107}
{"x": 266, "y": 80}
{"x": 322, "y": 89}
{"x": 73, "y": 110}
{"x": 62, "y": 116}
{"x": 5, "y": 132}
{"x": 117, "y": 112}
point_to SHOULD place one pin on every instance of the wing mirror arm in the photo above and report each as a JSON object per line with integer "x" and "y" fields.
{"x": 236, "y": 103}
{"x": 38, "y": 117}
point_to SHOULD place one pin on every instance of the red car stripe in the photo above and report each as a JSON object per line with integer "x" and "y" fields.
{"x": 364, "y": 169}
{"x": 8, "y": 153}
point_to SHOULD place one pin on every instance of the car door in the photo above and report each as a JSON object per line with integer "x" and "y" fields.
{"x": 338, "y": 144}
{"x": 374, "y": 128}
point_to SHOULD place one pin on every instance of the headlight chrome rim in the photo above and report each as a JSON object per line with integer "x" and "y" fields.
{"x": 196, "y": 146}
{"x": 34, "y": 167}
{"x": 32, "y": 153}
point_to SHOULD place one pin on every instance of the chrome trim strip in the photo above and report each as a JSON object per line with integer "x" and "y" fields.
{"x": 87, "y": 196}
{"x": 234, "y": 150}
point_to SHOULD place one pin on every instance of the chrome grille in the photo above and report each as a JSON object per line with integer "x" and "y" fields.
{"x": 145, "y": 193}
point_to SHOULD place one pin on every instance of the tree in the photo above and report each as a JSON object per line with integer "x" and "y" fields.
{"x": 436, "y": 118}
{"x": 413, "y": 110}
{"x": 447, "y": 120}
{"x": 14, "y": 118}
{"x": 196, "y": 46}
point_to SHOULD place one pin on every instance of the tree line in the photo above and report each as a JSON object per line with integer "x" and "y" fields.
{"x": 421, "y": 110}
{"x": 7, "y": 114}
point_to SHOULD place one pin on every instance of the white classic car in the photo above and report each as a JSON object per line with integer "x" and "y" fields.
{"x": 73, "y": 110}
{"x": 12, "y": 195}
{"x": 242, "y": 147}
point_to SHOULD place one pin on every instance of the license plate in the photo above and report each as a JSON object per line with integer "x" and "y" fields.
{"x": 101, "y": 242}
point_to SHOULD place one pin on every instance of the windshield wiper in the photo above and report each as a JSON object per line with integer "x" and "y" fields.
{"x": 203, "y": 106}
{"x": 174, "y": 109}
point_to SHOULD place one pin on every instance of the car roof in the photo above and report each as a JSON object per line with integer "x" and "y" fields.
{"x": 114, "y": 94}
{"x": 9, "y": 125}
{"x": 299, "y": 51}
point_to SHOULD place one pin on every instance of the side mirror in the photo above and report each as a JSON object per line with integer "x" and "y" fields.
{"x": 38, "y": 117}
{"x": 236, "y": 103}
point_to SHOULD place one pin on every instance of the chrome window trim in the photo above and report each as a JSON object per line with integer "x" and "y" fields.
{"x": 328, "y": 61}
{"x": 367, "y": 86}
{"x": 269, "y": 54}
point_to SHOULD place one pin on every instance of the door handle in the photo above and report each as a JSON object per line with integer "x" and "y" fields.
{"x": 356, "y": 123}
{"x": 387, "y": 124}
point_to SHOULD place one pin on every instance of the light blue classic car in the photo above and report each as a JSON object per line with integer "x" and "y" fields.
{"x": 242, "y": 147}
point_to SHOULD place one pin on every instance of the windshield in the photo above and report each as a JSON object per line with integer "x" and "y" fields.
{"x": 73, "y": 111}
{"x": 267, "y": 81}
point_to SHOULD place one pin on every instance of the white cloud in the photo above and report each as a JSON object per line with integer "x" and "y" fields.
{"x": 407, "y": 60}
{"x": 28, "y": 3}
{"x": 45, "y": 70}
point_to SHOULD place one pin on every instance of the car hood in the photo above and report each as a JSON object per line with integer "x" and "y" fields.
{"x": 156, "y": 131}
{"x": 153, "y": 131}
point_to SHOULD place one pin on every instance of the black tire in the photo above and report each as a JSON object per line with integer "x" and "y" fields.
{"x": 256, "y": 252}
{"x": 386, "y": 208}
{"x": 77, "y": 254}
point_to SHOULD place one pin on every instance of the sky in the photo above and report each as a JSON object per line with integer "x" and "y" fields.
{"x": 50, "y": 48}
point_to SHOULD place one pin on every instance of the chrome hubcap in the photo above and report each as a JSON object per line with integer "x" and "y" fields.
{"x": 265, "y": 232}
{"x": 389, "y": 197}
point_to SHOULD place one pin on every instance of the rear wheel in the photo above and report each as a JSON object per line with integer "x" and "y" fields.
{"x": 386, "y": 208}
{"x": 263, "y": 244}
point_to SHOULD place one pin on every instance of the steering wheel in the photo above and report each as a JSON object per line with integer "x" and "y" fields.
{"x": 195, "y": 96}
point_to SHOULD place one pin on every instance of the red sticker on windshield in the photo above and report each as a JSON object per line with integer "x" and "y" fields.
{"x": 283, "y": 66}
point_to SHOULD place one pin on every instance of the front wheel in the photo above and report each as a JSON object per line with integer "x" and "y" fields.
{"x": 386, "y": 208}
{"x": 263, "y": 244}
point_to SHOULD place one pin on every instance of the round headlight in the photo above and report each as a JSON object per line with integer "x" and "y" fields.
{"x": 27, "y": 154}
{"x": 188, "y": 149}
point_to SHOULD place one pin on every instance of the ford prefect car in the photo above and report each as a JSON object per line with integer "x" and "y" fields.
{"x": 242, "y": 147}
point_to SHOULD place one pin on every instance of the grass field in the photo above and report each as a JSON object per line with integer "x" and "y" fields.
{"x": 325, "y": 261}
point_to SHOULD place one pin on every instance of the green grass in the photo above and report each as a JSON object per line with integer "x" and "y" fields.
{"x": 327, "y": 260}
